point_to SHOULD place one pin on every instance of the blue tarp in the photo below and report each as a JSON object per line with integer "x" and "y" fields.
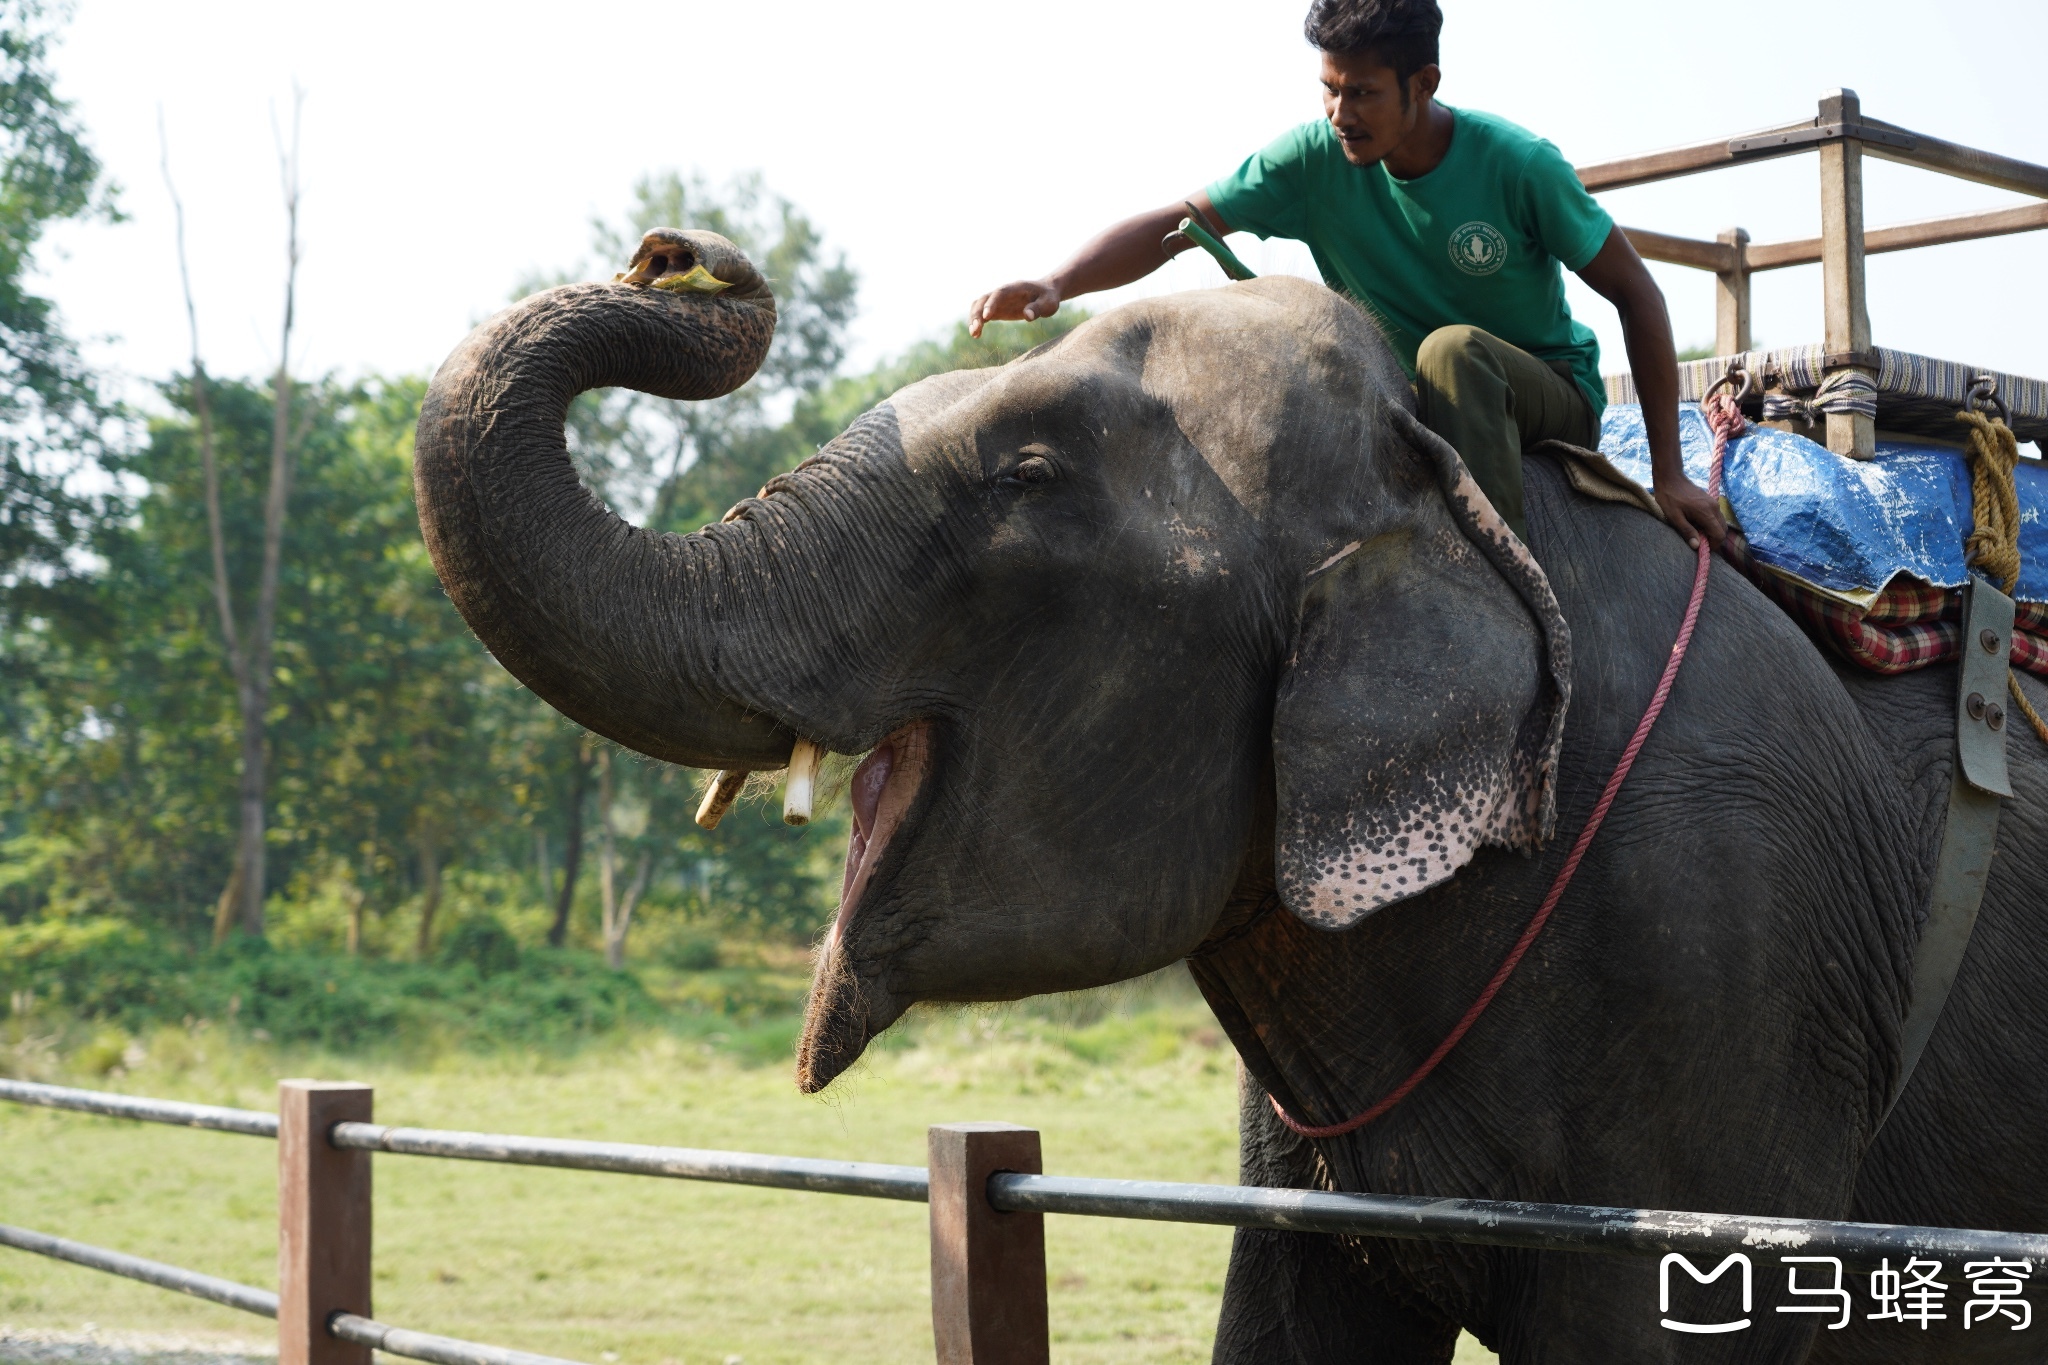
{"x": 1845, "y": 525}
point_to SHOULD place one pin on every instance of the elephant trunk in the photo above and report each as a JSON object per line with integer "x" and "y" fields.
{"x": 613, "y": 625}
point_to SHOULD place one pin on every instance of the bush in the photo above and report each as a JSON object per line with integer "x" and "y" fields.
{"x": 691, "y": 952}
{"x": 481, "y": 991}
{"x": 484, "y": 944}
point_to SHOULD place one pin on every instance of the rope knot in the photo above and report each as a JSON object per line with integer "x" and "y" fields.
{"x": 1848, "y": 393}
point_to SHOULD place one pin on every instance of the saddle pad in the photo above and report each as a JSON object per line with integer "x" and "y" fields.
{"x": 1867, "y": 554}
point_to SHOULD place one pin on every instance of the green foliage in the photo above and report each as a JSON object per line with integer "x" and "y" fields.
{"x": 50, "y": 409}
{"x": 118, "y": 766}
{"x": 482, "y": 992}
{"x": 691, "y": 952}
{"x": 483, "y": 943}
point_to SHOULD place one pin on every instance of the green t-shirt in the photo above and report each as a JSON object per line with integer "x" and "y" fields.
{"x": 1478, "y": 240}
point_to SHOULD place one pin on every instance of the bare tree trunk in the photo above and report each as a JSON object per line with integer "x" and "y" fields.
{"x": 229, "y": 906}
{"x": 355, "y": 917}
{"x": 618, "y": 914}
{"x": 241, "y": 902}
{"x": 572, "y": 852}
{"x": 256, "y": 687}
{"x": 541, "y": 870}
{"x": 224, "y": 908}
{"x": 605, "y": 850}
{"x": 430, "y": 887}
{"x": 615, "y": 928}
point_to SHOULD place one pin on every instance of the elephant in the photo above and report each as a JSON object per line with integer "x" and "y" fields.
{"x": 1180, "y": 639}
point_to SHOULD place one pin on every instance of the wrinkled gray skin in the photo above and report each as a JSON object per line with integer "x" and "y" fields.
{"x": 1105, "y": 591}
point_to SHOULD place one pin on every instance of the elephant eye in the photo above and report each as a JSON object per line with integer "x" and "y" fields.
{"x": 1033, "y": 470}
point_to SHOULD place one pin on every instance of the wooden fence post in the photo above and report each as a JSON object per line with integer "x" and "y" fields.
{"x": 323, "y": 1222}
{"x": 988, "y": 1268}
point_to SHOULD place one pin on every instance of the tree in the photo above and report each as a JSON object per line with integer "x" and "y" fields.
{"x": 51, "y": 411}
{"x": 249, "y": 646}
{"x": 388, "y": 722}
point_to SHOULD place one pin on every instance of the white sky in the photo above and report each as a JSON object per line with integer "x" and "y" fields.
{"x": 946, "y": 147}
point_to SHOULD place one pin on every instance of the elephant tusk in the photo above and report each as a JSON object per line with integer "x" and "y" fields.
{"x": 719, "y": 796}
{"x": 803, "y": 773}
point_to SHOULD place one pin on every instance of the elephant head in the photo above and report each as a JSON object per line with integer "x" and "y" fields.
{"x": 1183, "y": 603}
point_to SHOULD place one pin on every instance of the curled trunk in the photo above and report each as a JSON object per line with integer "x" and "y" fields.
{"x": 613, "y": 625}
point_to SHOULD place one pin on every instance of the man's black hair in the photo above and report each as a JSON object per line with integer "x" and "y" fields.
{"x": 1401, "y": 33}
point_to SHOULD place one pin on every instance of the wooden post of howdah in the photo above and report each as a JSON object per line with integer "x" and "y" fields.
{"x": 988, "y": 1267}
{"x": 1841, "y": 266}
{"x": 323, "y": 1222}
{"x": 1731, "y": 298}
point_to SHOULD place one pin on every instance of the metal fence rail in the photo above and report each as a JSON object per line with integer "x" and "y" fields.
{"x": 398, "y": 1341}
{"x": 1492, "y": 1222}
{"x": 253, "y": 1122}
{"x": 381, "y": 1336}
{"x": 873, "y": 1179}
{"x": 988, "y": 1269}
{"x": 261, "y": 1302}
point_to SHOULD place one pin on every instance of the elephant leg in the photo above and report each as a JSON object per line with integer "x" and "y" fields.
{"x": 1309, "y": 1297}
{"x": 1306, "y": 1299}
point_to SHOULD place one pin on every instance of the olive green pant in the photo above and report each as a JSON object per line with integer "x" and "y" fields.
{"x": 1492, "y": 401}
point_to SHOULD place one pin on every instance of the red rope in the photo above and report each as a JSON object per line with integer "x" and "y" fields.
{"x": 1726, "y": 422}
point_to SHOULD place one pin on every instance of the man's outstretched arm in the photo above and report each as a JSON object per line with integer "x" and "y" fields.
{"x": 1129, "y": 251}
{"x": 1617, "y": 274}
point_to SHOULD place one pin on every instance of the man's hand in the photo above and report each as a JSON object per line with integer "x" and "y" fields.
{"x": 1617, "y": 275}
{"x": 1690, "y": 511}
{"x": 1129, "y": 251}
{"x": 1018, "y": 301}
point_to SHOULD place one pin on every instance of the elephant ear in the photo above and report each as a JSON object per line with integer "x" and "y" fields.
{"x": 1422, "y": 706}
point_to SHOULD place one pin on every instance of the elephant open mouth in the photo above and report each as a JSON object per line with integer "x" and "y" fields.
{"x": 883, "y": 788}
{"x": 845, "y": 1009}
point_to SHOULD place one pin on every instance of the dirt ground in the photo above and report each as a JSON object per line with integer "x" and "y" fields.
{"x": 91, "y": 1345}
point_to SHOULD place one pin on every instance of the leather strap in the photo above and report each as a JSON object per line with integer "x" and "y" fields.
{"x": 1970, "y": 827}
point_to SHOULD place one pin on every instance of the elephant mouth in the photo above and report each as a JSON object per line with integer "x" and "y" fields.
{"x": 883, "y": 788}
{"x": 846, "y": 1010}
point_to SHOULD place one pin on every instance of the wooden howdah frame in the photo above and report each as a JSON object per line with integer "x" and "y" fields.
{"x": 1842, "y": 136}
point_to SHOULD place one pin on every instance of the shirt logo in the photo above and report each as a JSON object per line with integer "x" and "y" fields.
{"x": 1478, "y": 248}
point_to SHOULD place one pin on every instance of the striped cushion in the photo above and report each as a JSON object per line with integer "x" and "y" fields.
{"x": 1914, "y": 393}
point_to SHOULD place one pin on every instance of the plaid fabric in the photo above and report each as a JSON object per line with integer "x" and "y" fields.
{"x": 1915, "y": 393}
{"x": 1911, "y": 625}
{"x": 1909, "y": 602}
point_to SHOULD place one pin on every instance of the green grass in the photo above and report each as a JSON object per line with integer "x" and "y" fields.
{"x": 1135, "y": 1083}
